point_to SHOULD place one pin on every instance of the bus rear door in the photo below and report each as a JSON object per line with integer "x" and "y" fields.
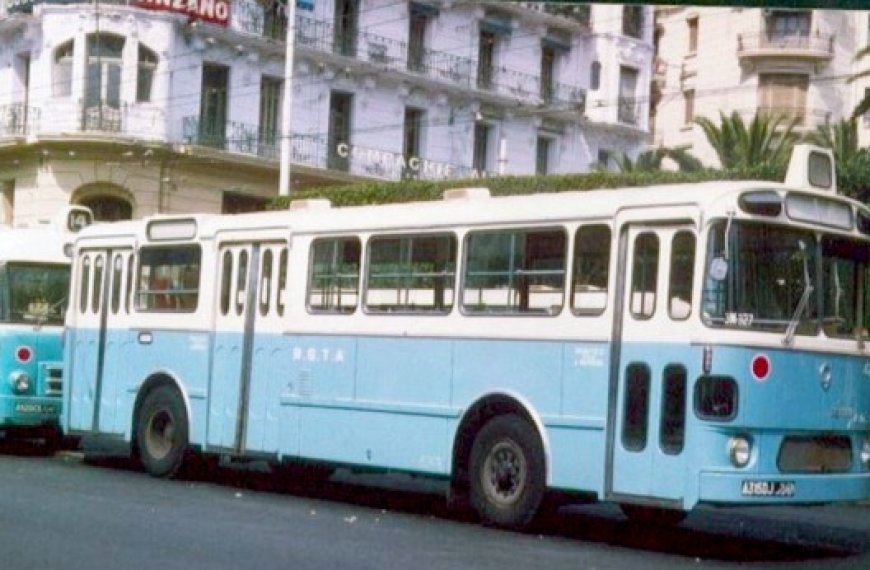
{"x": 652, "y": 363}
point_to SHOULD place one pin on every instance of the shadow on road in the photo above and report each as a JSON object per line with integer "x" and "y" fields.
{"x": 707, "y": 534}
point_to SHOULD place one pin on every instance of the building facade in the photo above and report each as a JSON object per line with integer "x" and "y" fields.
{"x": 787, "y": 62}
{"x": 136, "y": 107}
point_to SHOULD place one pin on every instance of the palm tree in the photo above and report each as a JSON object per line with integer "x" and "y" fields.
{"x": 651, "y": 160}
{"x": 841, "y": 137}
{"x": 766, "y": 141}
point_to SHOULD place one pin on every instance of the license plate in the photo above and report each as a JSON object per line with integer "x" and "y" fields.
{"x": 25, "y": 408}
{"x": 768, "y": 488}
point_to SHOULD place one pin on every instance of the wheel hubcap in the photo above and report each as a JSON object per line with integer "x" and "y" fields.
{"x": 504, "y": 473}
{"x": 160, "y": 435}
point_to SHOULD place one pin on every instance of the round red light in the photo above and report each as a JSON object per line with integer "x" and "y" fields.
{"x": 23, "y": 354}
{"x": 761, "y": 367}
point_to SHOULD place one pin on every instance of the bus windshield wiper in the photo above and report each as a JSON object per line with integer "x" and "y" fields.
{"x": 804, "y": 300}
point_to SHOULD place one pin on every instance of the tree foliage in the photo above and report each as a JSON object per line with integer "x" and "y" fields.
{"x": 767, "y": 139}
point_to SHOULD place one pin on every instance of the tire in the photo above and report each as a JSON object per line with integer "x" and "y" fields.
{"x": 162, "y": 432}
{"x": 652, "y": 516}
{"x": 507, "y": 475}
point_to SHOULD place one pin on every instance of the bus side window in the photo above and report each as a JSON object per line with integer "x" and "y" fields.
{"x": 644, "y": 277}
{"x": 117, "y": 272}
{"x": 515, "y": 272}
{"x": 282, "y": 282}
{"x": 168, "y": 278}
{"x": 591, "y": 270}
{"x": 682, "y": 275}
{"x": 99, "y": 263}
{"x": 83, "y": 286}
{"x": 266, "y": 283}
{"x": 128, "y": 293}
{"x": 226, "y": 282}
{"x": 333, "y": 284}
{"x": 242, "y": 282}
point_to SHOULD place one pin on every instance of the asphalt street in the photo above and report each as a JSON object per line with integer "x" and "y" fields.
{"x": 60, "y": 512}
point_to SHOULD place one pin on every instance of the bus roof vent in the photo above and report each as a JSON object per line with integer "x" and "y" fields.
{"x": 812, "y": 168}
{"x": 466, "y": 194}
{"x": 310, "y": 204}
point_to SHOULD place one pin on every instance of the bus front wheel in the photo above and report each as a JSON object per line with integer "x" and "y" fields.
{"x": 507, "y": 480}
{"x": 161, "y": 432}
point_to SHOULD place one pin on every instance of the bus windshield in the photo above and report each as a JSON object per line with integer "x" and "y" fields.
{"x": 766, "y": 277}
{"x": 33, "y": 293}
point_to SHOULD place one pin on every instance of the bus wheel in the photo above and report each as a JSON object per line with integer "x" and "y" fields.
{"x": 161, "y": 432}
{"x": 652, "y": 515}
{"x": 507, "y": 472}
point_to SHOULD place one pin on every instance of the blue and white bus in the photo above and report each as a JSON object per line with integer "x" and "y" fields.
{"x": 657, "y": 347}
{"x": 34, "y": 284}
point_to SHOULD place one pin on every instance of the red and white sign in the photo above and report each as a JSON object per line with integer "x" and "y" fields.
{"x": 212, "y": 11}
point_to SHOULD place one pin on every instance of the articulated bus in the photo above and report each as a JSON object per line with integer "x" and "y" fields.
{"x": 34, "y": 284}
{"x": 658, "y": 347}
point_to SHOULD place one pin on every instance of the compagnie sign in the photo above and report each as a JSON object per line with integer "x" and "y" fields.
{"x": 212, "y": 11}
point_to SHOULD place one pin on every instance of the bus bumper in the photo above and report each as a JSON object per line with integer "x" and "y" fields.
{"x": 757, "y": 488}
{"x": 28, "y": 411}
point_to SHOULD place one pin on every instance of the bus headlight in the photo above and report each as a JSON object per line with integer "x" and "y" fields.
{"x": 865, "y": 452}
{"x": 739, "y": 450}
{"x": 20, "y": 381}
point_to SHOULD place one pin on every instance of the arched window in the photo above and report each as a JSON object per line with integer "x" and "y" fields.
{"x": 108, "y": 208}
{"x": 62, "y": 72}
{"x": 145, "y": 74}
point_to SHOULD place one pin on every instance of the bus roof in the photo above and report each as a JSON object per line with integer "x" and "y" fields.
{"x": 40, "y": 244}
{"x": 712, "y": 198}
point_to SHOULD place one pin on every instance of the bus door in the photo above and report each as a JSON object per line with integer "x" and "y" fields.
{"x": 652, "y": 363}
{"x": 248, "y": 306}
{"x": 101, "y": 339}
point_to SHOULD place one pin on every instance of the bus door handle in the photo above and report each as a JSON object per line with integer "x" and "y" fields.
{"x": 145, "y": 337}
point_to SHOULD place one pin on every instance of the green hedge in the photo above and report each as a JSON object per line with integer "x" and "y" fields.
{"x": 418, "y": 190}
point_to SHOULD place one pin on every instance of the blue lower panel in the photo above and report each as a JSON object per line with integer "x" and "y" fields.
{"x": 23, "y": 411}
{"x": 727, "y": 488}
{"x": 378, "y": 439}
{"x": 577, "y": 458}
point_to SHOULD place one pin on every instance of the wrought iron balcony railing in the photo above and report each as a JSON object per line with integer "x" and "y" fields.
{"x": 101, "y": 117}
{"x": 254, "y": 18}
{"x": 18, "y": 120}
{"x": 317, "y": 152}
{"x": 627, "y": 110}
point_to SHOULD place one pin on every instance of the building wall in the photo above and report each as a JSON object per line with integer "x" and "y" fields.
{"x": 726, "y": 81}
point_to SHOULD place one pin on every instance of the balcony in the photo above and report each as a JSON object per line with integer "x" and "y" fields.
{"x": 397, "y": 56}
{"x": 18, "y": 120}
{"x": 316, "y": 152}
{"x": 254, "y": 18}
{"x": 816, "y": 46}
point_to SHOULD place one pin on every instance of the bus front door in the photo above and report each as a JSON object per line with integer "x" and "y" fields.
{"x": 244, "y": 407}
{"x": 651, "y": 365}
{"x": 100, "y": 341}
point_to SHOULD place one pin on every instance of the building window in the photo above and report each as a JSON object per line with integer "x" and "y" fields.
{"x": 604, "y": 157}
{"x": 788, "y": 26}
{"x": 417, "y": 41}
{"x": 346, "y": 26}
{"x": 7, "y": 202}
{"x": 481, "y": 159}
{"x": 238, "y": 203}
{"x": 411, "y": 140}
{"x": 275, "y": 21}
{"x": 486, "y": 59}
{"x": 338, "y": 135}
{"x": 145, "y": 75}
{"x": 632, "y": 21}
{"x": 548, "y": 71}
{"x": 782, "y": 94}
{"x": 542, "y": 155}
{"x": 103, "y": 80}
{"x": 213, "y": 105}
{"x": 595, "y": 76}
{"x": 693, "y": 34}
{"x": 270, "y": 106}
{"x": 62, "y": 73}
{"x": 627, "y": 112}
{"x": 688, "y": 106}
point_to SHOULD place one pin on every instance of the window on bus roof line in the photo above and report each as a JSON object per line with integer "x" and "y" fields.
{"x": 168, "y": 279}
{"x": 517, "y": 271}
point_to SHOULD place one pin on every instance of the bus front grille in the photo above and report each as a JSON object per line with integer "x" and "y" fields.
{"x": 816, "y": 454}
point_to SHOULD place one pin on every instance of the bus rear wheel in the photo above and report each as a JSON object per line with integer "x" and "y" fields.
{"x": 507, "y": 480}
{"x": 161, "y": 432}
